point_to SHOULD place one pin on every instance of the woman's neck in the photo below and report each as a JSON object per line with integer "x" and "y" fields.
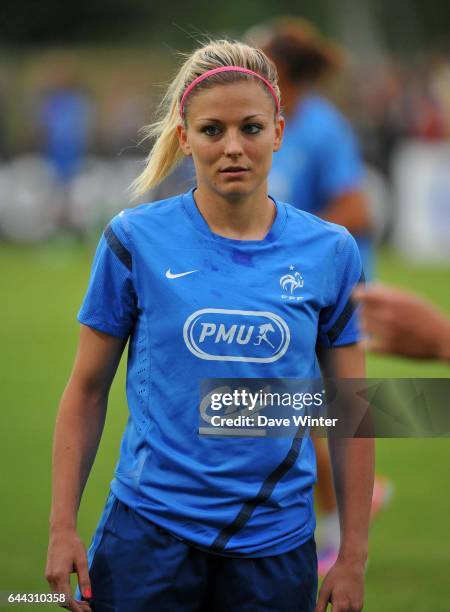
{"x": 247, "y": 218}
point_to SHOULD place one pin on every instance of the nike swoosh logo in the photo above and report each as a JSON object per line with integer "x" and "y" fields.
{"x": 169, "y": 274}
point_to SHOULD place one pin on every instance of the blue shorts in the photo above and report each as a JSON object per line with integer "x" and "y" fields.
{"x": 134, "y": 565}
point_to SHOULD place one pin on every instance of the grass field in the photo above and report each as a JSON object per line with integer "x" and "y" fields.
{"x": 42, "y": 289}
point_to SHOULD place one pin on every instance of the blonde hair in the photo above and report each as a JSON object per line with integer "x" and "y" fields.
{"x": 166, "y": 152}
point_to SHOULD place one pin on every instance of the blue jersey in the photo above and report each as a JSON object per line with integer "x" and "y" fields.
{"x": 192, "y": 303}
{"x": 318, "y": 162}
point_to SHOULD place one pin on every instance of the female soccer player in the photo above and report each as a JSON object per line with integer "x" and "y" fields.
{"x": 199, "y": 285}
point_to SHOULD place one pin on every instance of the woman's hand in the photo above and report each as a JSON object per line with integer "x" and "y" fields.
{"x": 401, "y": 323}
{"x": 66, "y": 554}
{"x": 343, "y": 587}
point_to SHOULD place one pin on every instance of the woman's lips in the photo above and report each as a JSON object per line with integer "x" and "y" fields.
{"x": 234, "y": 171}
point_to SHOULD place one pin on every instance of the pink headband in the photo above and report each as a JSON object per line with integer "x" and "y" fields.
{"x": 209, "y": 73}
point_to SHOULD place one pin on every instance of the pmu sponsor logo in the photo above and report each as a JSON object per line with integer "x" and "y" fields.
{"x": 218, "y": 334}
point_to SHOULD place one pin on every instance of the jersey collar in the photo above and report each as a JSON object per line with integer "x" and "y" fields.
{"x": 200, "y": 224}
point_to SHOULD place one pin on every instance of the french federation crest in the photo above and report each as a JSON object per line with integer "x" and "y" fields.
{"x": 290, "y": 283}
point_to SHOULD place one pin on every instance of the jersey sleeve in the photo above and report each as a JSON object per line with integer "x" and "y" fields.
{"x": 110, "y": 303}
{"x": 338, "y": 322}
{"x": 341, "y": 168}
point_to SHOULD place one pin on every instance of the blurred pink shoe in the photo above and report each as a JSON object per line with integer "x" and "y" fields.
{"x": 326, "y": 558}
{"x": 383, "y": 491}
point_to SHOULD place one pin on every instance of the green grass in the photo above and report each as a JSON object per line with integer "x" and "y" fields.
{"x": 42, "y": 289}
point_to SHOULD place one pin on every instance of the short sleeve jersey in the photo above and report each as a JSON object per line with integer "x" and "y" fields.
{"x": 192, "y": 303}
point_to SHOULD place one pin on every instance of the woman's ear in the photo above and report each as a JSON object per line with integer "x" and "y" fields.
{"x": 183, "y": 139}
{"x": 279, "y": 131}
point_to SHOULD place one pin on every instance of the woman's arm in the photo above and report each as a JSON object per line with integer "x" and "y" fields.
{"x": 79, "y": 426}
{"x": 352, "y": 460}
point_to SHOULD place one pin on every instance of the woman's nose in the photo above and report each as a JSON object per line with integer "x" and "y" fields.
{"x": 233, "y": 146}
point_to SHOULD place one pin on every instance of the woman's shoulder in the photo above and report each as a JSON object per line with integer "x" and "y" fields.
{"x": 324, "y": 117}
{"x": 154, "y": 208}
{"x": 303, "y": 221}
{"x": 317, "y": 104}
{"x": 314, "y": 235}
{"x": 145, "y": 214}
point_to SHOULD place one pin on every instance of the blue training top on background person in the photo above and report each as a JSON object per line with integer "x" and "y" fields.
{"x": 318, "y": 162}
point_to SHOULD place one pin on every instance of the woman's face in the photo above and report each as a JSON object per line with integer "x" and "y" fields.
{"x": 231, "y": 134}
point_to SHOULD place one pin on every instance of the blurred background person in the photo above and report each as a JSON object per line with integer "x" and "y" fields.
{"x": 65, "y": 120}
{"x": 318, "y": 169}
{"x": 399, "y": 322}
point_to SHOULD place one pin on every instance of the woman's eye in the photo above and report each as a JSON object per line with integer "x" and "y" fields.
{"x": 253, "y": 128}
{"x": 211, "y": 130}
